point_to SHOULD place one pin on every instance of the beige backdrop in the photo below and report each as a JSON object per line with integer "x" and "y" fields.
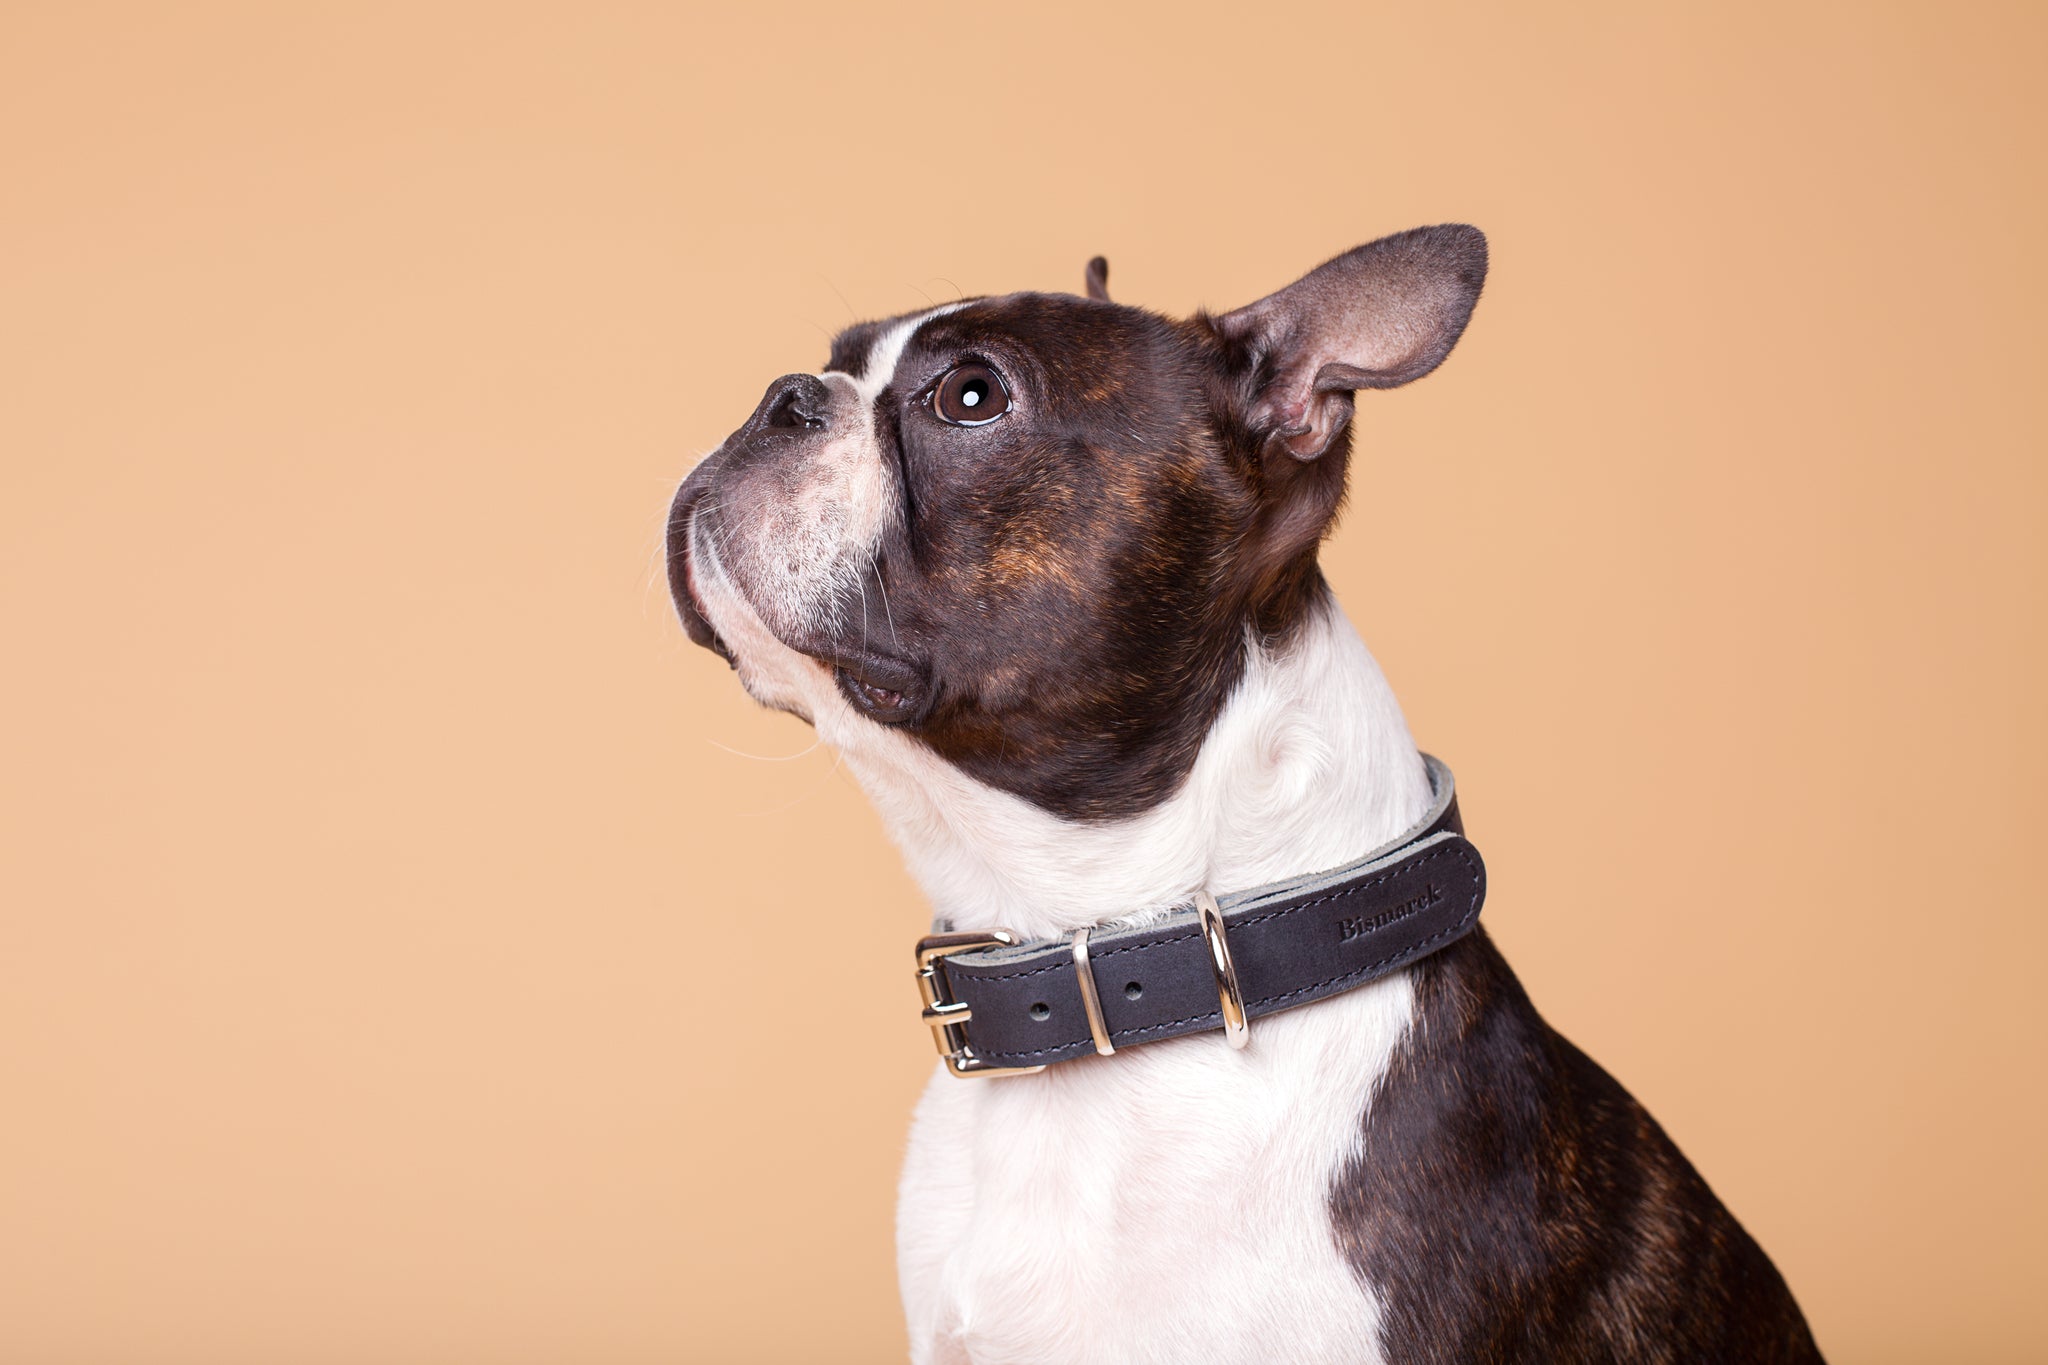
{"x": 386, "y": 885}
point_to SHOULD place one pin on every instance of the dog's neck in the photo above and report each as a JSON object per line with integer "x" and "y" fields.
{"x": 1308, "y": 765}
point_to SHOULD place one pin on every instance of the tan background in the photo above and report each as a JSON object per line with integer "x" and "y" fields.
{"x": 385, "y": 888}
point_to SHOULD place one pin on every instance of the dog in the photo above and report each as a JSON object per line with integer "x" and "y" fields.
{"x": 1043, "y": 568}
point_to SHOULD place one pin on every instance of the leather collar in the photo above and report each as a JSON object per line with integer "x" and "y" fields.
{"x": 999, "y": 1006}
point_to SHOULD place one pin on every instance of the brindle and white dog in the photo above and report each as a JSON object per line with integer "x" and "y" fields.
{"x": 1043, "y": 568}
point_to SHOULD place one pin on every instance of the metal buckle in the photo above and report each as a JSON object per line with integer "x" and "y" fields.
{"x": 948, "y": 1017}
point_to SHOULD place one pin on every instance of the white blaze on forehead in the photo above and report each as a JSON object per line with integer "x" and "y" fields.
{"x": 887, "y": 350}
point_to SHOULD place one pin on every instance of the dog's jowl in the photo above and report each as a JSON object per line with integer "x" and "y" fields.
{"x": 1230, "y": 1072}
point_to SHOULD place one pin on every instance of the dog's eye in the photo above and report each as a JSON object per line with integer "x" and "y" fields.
{"x": 970, "y": 396}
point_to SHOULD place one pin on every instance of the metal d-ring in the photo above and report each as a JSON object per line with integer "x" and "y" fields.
{"x": 1237, "y": 1029}
{"x": 1091, "y": 1002}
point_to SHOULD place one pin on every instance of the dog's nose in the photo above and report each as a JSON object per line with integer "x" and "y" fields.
{"x": 794, "y": 402}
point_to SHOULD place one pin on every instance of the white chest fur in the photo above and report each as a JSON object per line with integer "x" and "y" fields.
{"x": 1170, "y": 1203}
{"x": 1165, "y": 1205}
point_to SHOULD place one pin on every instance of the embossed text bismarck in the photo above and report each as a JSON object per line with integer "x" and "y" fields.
{"x": 1352, "y": 927}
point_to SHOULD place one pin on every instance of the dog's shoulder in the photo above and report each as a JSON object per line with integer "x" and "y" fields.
{"x": 1511, "y": 1201}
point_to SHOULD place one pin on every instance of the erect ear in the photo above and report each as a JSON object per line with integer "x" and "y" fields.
{"x": 1377, "y": 316}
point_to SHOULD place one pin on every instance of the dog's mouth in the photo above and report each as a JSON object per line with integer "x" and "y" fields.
{"x": 890, "y": 687}
{"x": 682, "y": 573}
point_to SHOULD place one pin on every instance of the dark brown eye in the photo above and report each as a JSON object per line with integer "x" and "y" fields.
{"x": 970, "y": 396}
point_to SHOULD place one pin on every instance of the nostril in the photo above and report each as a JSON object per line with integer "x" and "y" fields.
{"x": 785, "y": 414}
{"x": 796, "y": 402}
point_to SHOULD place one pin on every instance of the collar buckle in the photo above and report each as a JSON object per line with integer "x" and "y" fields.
{"x": 948, "y": 1017}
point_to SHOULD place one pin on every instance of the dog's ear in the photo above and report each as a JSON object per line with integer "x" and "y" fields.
{"x": 1097, "y": 276}
{"x": 1377, "y": 316}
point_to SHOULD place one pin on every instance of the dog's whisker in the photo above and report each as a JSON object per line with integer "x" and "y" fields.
{"x": 851, "y": 315}
{"x": 804, "y": 752}
{"x": 887, "y": 611}
{"x": 808, "y": 794}
{"x": 861, "y": 582}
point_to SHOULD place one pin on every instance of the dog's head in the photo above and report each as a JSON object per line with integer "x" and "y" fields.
{"x": 1035, "y": 532}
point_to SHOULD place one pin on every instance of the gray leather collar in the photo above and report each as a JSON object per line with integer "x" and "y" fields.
{"x": 1004, "y": 1008}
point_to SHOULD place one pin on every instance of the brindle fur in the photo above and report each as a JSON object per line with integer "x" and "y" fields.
{"x": 1513, "y": 1203}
